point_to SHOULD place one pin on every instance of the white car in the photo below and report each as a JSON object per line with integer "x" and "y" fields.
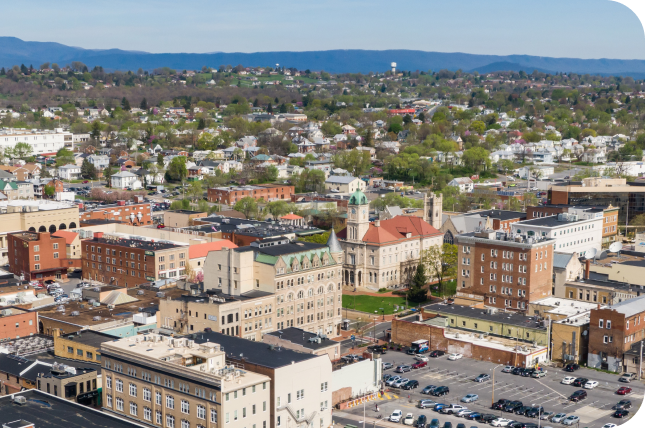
{"x": 568, "y": 380}
{"x": 609, "y": 426}
{"x": 422, "y": 358}
{"x": 591, "y": 384}
{"x": 409, "y": 419}
{"x": 464, "y": 412}
{"x": 396, "y": 416}
{"x": 570, "y": 420}
{"x": 454, "y": 357}
{"x": 500, "y": 422}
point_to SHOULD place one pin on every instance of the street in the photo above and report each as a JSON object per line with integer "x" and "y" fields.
{"x": 458, "y": 376}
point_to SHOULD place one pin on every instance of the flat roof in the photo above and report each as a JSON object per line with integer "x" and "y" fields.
{"x": 629, "y": 307}
{"x": 498, "y": 214}
{"x": 552, "y": 221}
{"x": 562, "y": 306}
{"x": 254, "y": 352}
{"x": 499, "y": 316}
{"x": 136, "y": 243}
{"x": 46, "y": 410}
{"x": 290, "y": 248}
{"x": 88, "y": 337}
{"x": 204, "y": 297}
{"x": 185, "y": 211}
{"x": 301, "y": 337}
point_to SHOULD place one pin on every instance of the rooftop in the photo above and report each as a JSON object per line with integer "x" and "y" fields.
{"x": 629, "y": 307}
{"x": 303, "y": 338}
{"x": 511, "y": 318}
{"x": 254, "y": 352}
{"x": 576, "y": 320}
{"x": 551, "y": 221}
{"x": 184, "y": 211}
{"x": 568, "y": 307}
{"x": 135, "y": 243}
{"x": 89, "y": 338}
{"x": 45, "y": 410}
{"x": 498, "y": 214}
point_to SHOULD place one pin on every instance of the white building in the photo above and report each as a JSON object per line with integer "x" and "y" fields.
{"x": 344, "y": 184}
{"x": 69, "y": 172}
{"x": 464, "y": 184}
{"x": 125, "y": 179}
{"x": 542, "y": 171}
{"x": 572, "y": 232}
{"x": 41, "y": 141}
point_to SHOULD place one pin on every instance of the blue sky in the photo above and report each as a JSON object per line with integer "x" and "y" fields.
{"x": 555, "y": 28}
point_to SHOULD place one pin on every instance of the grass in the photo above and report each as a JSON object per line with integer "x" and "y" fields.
{"x": 369, "y": 304}
{"x": 450, "y": 288}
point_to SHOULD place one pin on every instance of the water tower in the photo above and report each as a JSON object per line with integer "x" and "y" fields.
{"x": 393, "y": 65}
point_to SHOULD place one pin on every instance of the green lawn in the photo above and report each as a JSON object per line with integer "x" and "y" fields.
{"x": 450, "y": 288}
{"x": 370, "y": 304}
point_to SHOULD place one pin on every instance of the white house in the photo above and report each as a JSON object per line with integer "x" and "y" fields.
{"x": 69, "y": 172}
{"x": 542, "y": 171}
{"x": 124, "y": 180}
{"x": 464, "y": 184}
{"x": 344, "y": 184}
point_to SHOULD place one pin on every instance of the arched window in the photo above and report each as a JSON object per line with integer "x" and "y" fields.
{"x": 448, "y": 238}
{"x": 330, "y": 288}
{"x": 32, "y": 229}
{"x": 72, "y": 225}
{"x": 52, "y": 229}
{"x": 62, "y": 226}
{"x": 301, "y": 294}
{"x": 290, "y": 297}
{"x": 42, "y": 229}
{"x": 310, "y": 292}
{"x": 321, "y": 290}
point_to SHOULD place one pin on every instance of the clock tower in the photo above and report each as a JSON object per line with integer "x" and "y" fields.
{"x": 358, "y": 218}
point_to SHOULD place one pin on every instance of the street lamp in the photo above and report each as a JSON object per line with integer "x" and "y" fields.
{"x": 493, "y": 396}
{"x": 383, "y": 311}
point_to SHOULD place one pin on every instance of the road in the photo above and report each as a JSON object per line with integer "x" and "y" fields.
{"x": 548, "y": 392}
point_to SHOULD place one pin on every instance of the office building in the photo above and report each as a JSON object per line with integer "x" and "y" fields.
{"x": 505, "y": 271}
{"x": 42, "y": 142}
{"x": 39, "y": 256}
{"x": 267, "y": 192}
{"x": 133, "y": 213}
{"x": 180, "y": 382}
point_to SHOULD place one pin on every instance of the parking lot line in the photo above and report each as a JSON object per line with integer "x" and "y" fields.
{"x": 387, "y": 395}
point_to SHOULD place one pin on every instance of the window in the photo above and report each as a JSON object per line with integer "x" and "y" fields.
{"x": 108, "y": 382}
{"x": 158, "y": 417}
{"x": 185, "y": 407}
{"x": 133, "y": 390}
{"x": 185, "y": 423}
{"x": 133, "y": 409}
{"x": 119, "y": 403}
{"x": 608, "y": 324}
{"x": 170, "y": 402}
{"x": 146, "y": 394}
{"x": 214, "y": 416}
{"x": 170, "y": 421}
{"x": 147, "y": 414}
{"x": 37, "y": 248}
{"x": 323, "y": 387}
{"x": 158, "y": 398}
{"x": 108, "y": 399}
{"x": 201, "y": 412}
{"x": 119, "y": 385}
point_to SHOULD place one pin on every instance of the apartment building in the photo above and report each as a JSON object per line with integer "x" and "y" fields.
{"x": 181, "y": 383}
{"x": 503, "y": 270}
{"x": 16, "y": 323}
{"x": 42, "y": 142}
{"x": 39, "y": 256}
{"x": 612, "y": 331}
{"x": 268, "y": 192}
{"x": 383, "y": 253}
{"x": 303, "y": 278}
{"x": 603, "y": 291}
{"x": 609, "y": 216}
{"x": 130, "y": 262}
{"x": 136, "y": 213}
{"x": 570, "y": 232}
{"x": 301, "y": 383}
{"x": 71, "y": 383}
{"x": 34, "y": 216}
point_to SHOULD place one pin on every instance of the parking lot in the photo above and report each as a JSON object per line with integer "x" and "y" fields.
{"x": 595, "y": 410}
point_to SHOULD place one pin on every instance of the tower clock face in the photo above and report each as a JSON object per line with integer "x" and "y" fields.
{"x": 353, "y": 211}
{"x": 363, "y": 212}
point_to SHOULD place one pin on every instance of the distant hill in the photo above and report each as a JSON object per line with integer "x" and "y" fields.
{"x": 15, "y": 51}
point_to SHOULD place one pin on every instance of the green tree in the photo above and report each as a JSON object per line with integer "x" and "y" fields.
{"x": 277, "y": 209}
{"x": 247, "y": 206}
{"x": 418, "y": 291}
{"x": 330, "y": 128}
{"x": 96, "y": 130}
{"x": 476, "y": 158}
{"x": 50, "y": 191}
{"x": 195, "y": 190}
{"x": 22, "y": 150}
{"x": 177, "y": 170}
{"x": 125, "y": 104}
{"x": 160, "y": 163}
{"x": 88, "y": 170}
{"x": 478, "y": 126}
{"x": 506, "y": 165}
{"x": 64, "y": 157}
{"x": 441, "y": 262}
{"x": 356, "y": 162}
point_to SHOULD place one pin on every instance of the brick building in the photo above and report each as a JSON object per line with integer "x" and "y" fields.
{"x": 39, "y": 256}
{"x": 468, "y": 222}
{"x": 268, "y": 192}
{"x": 16, "y": 323}
{"x": 613, "y": 330}
{"x": 130, "y": 262}
{"x": 504, "y": 271}
{"x": 137, "y": 213}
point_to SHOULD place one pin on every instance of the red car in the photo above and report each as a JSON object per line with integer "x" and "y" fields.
{"x": 624, "y": 390}
{"x": 85, "y": 181}
{"x": 419, "y": 364}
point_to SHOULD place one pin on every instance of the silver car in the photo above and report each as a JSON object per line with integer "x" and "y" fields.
{"x": 470, "y": 398}
{"x": 399, "y": 383}
{"x": 391, "y": 380}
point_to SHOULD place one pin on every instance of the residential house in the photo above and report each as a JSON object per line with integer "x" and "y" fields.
{"x": 125, "y": 180}
{"x": 464, "y": 184}
{"x": 69, "y": 172}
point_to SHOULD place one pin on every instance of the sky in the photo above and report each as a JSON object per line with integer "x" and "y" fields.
{"x": 554, "y": 28}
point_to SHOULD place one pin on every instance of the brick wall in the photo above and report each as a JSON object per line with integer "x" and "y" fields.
{"x": 19, "y": 325}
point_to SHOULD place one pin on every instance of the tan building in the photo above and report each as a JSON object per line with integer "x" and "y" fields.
{"x": 181, "y": 218}
{"x": 303, "y": 341}
{"x": 72, "y": 243}
{"x": 34, "y": 216}
{"x": 570, "y": 338}
{"x": 303, "y": 278}
{"x": 80, "y": 385}
{"x": 566, "y": 267}
{"x": 80, "y": 345}
{"x": 384, "y": 253}
{"x": 602, "y": 292}
{"x": 177, "y": 383}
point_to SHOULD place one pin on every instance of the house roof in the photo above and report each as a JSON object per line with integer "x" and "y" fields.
{"x": 341, "y": 179}
{"x": 397, "y": 228}
{"x": 630, "y": 307}
{"x": 202, "y": 250}
{"x": 69, "y": 236}
{"x": 561, "y": 260}
{"x": 291, "y": 216}
{"x": 358, "y": 198}
{"x": 333, "y": 244}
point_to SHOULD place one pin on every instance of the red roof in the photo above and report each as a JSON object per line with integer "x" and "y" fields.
{"x": 69, "y": 236}
{"x": 201, "y": 250}
{"x": 397, "y": 228}
{"x": 291, "y": 216}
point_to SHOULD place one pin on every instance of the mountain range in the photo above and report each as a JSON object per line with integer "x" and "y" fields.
{"x": 14, "y": 51}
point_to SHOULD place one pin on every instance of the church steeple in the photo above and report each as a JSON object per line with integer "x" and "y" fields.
{"x": 358, "y": 219}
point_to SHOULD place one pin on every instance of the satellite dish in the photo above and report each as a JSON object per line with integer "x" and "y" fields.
{"x": 591, "y": 253}
{"x": 603, "y": 255}
{"x": 615, "y": 247}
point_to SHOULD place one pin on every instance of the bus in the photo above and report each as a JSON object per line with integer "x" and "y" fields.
{"x": 419, "y": 347}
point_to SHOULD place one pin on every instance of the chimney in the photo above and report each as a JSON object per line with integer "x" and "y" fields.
{"x": 377, "y": 223}
{"x": 98, "y": 234}
{"x": 587, "y": 268}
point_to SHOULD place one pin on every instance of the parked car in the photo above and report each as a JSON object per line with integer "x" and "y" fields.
{"x": 534, "y": 412}
{"x": 428, "y": 389}
{"x": 623, "y": 404}
{"x": 627, "y": 377}
{"x": 387, "y": 366}
{"x": 545, "y": 416}
{"x": 578, "y": 395}
{"x": 500, "y": 404}
{"x": 421, "y": 358}
{"x": 571, "y": 367}
{"x": 522, "y": 410}
{"x": 463, "y": 413}
{"x": 508, "y": 369}
{"x": 436, "y": 353}
{"x": 517, "y": 370}
{"x": 527, "y": 372}
{"x": 473, "y": 415}
{"x": 538, "y": 374}
{"x": 403, "y": 369}
{"x": 469, "y": 398}
{"x": 439, "y": 406}
{"x": 391, "y": 380}
{"x": 396, "y": 416}
{"x": 580, "y": 381}
{"x": 440, "y": 391}
{"x": 412, "y": 384}
{"x": 454, "y": 357}
{"x": 511, "y": 406}
{"x": 609, "y": 426}
{"x": 559, "y": 417}
{"x": 419, "y": 364}
{"x": 500, "y": 422}
{"x": 453, "y": 408}
{"x": 621, "y": 413}
{"x": 422, "y": 421}
{"x": 426, "y": 404}
{"x": 487, "y": 418}
{"x": 434, "y": 423}
{"x": 591, "y": 384}
{"x": 571, "y": 420}
{"x": 399, "y": 383}
{"x": 482, "y": 377}
{"x": 568, "y": 380}
{"x": 624, "y": 390}
{"x": 409, "y": 419}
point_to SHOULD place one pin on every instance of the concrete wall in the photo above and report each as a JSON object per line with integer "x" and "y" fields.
{"x": 361, "y": 378}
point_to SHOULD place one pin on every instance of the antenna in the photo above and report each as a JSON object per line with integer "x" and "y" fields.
{"x": 591, "y": 253}
{"x": 616, "y": 247}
